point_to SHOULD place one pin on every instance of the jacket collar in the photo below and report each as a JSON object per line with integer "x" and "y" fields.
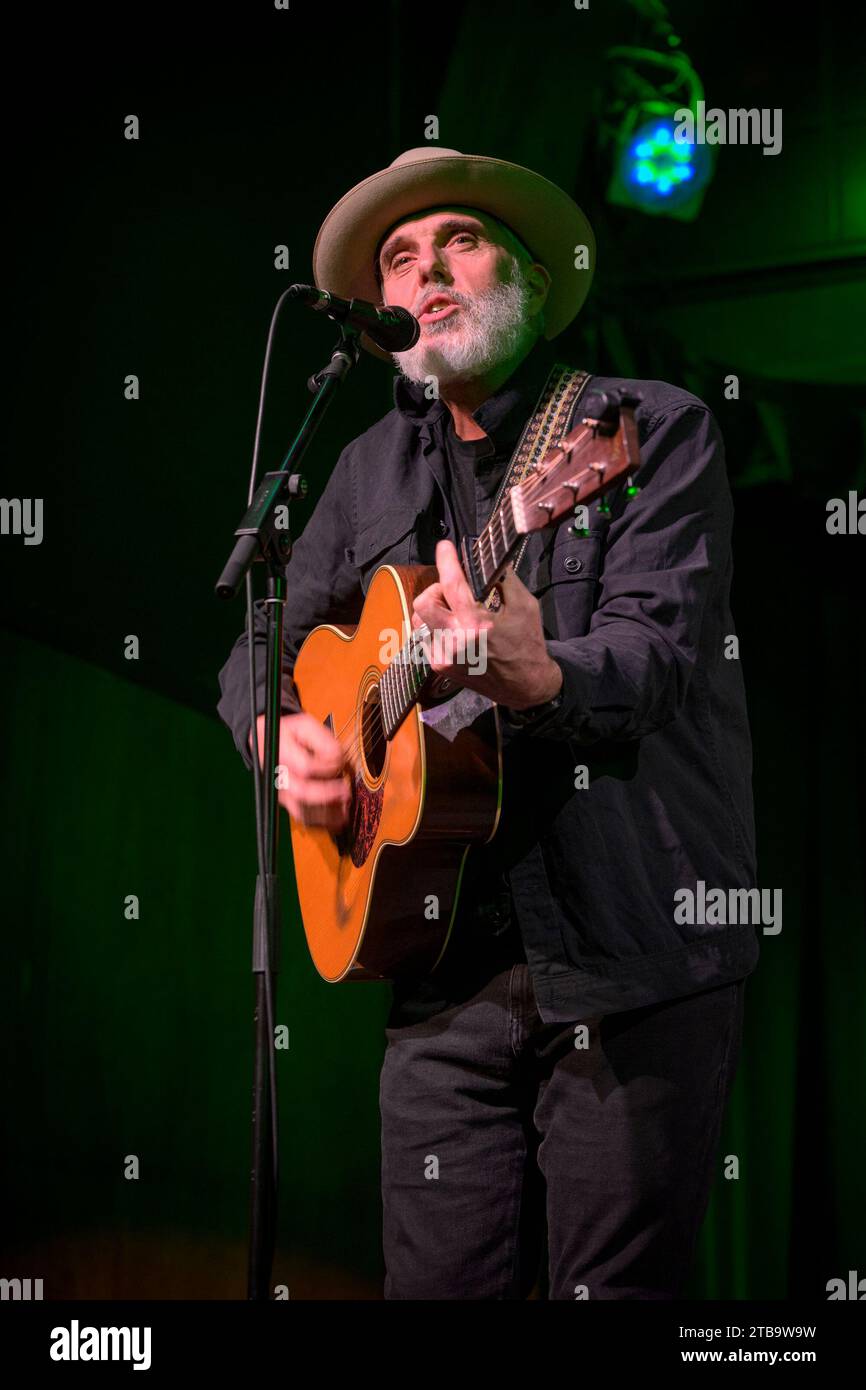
{"x": 502, "y": 416}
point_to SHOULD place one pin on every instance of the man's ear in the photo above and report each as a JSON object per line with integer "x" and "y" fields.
{"x": 539, "y": 281}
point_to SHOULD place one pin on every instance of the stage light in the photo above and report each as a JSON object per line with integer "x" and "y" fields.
{"x": 654, "y": 171}
{"x": 658, "y": 173}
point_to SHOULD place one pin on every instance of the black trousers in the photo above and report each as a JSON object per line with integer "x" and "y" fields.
{"x": 499, "y": 1130}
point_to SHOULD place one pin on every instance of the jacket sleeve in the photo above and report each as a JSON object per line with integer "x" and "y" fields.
{"x": 322, "y": 585}
{"x": 665, "y": 550}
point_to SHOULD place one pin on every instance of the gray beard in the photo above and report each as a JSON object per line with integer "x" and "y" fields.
{"x": 493, "y": 326}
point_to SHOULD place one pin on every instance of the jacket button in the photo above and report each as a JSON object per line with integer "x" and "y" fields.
{"x": 573, "y": 564}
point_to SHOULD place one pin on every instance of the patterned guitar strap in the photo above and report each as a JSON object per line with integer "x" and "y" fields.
{"x": 546, "y": 426}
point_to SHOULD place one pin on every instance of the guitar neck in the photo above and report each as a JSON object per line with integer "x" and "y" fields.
{"x": 485, "y": 556}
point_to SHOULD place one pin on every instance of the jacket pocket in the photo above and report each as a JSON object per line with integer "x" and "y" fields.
{"x": 564, "y": 581}
{"x": 389, "y": 540}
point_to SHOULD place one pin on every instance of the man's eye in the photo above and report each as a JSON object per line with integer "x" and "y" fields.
{"x": 402, "y": 256}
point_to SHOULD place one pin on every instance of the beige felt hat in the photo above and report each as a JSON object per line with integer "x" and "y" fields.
{"x": 546, "y": 220}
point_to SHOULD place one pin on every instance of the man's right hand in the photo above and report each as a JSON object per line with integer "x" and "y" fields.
{"x": 318, "y": 790}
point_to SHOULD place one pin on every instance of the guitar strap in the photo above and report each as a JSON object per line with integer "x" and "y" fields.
{"x": 546, "y": 426}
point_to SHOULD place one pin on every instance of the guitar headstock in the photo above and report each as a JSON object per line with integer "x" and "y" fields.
{"x": 599, "y": 453}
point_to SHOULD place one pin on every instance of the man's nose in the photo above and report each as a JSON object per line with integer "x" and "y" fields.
{"x": 432, "y": 265}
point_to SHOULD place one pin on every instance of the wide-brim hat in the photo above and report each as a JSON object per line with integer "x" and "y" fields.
{"x": 548, "y": 222}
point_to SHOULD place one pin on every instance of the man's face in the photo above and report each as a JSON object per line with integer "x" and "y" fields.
{"x": 470, "y": 285}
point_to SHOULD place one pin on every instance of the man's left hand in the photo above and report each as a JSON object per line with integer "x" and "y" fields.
{"x": 518, "y": 672}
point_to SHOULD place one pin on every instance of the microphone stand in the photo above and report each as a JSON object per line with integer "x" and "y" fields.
{"x": 260, "y": 538}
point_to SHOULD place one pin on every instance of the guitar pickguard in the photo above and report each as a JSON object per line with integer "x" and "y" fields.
{"x": 366, "y": 815}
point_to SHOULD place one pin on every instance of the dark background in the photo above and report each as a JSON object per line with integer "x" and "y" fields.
{"x": 155, "y": 257}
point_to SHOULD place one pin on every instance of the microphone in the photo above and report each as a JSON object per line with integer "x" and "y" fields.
{"x": 392, "y": 328}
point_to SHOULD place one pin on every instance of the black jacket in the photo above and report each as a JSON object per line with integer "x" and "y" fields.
{"x": 653, "y": 705}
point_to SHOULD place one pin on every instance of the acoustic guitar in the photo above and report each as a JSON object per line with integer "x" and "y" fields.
{"x": 378, "y": 899}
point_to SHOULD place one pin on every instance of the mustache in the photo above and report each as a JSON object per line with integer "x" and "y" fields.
{"x": 464, "y": 300}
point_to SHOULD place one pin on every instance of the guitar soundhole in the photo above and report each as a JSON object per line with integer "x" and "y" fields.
{"x": 373, "y": 738}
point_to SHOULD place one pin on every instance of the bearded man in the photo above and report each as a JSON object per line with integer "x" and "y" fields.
{"x": 557, "y": 1084}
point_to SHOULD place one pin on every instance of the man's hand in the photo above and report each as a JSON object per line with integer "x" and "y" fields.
{"x": 318, "y": 790}
{"x": 519, "y": 671}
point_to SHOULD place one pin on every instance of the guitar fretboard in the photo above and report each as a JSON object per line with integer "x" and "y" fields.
{"x": 403, "y": 681}
{"x": 492, "y": 548}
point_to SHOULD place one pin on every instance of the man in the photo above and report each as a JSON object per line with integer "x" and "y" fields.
{"x": 564, "y": 1071}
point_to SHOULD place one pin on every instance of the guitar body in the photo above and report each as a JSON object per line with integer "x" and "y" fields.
{"x": 378, "y": 900}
